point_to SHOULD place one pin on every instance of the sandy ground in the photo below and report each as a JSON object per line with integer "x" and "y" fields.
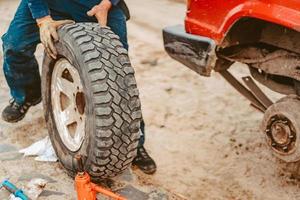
{"x": 203, "y": 135}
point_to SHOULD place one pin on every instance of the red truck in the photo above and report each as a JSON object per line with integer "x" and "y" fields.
{"x": 264, "y": 35}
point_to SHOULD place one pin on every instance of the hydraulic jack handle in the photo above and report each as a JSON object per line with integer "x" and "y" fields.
{"x": 13, "y": 189}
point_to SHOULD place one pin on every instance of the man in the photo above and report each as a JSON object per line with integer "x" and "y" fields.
{"x": 37, "y": 21}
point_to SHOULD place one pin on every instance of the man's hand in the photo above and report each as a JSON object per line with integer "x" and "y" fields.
{"x": 101, "y": 12}
{"x": 48, "y": 33}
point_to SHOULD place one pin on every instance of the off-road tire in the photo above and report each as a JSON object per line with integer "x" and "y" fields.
{"x": 113, "y": 111}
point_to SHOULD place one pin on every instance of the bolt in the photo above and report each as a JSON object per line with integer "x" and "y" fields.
{"x": 274, "y": 144}
{"x": 267, "y": 130}
{"x": 291, "y": 136}
{"x": 80, "y": 169}
{"x": 285, "y": 148}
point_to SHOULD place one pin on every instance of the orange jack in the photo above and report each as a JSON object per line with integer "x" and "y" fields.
{"x": 86, "y": 190}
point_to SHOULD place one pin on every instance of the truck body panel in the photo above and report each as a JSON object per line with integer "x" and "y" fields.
{"x": 213, "y": 18}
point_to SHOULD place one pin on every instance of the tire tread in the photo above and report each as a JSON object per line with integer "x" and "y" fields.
{"x": 115, "y": 98}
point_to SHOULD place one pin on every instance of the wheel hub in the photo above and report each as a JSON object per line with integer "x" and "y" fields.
{"x": 68, "y": 104}
{"x": 281, "y": 134}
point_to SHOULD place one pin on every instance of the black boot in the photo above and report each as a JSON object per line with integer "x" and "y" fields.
{"x": 15, "y": 112}
{"x": 144, "y": 162}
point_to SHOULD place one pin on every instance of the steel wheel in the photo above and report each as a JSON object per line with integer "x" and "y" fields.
{"x": 282, "y": 128}
{"x": 68, "y": 104}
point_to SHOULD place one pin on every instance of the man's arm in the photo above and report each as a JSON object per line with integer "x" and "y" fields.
{"x": 40, "y": 12}
{"x": 48, "y": 35}
{"x": 39, "y": 8}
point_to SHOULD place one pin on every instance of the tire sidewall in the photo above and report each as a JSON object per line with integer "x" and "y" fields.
{"x": 66, "y": 156}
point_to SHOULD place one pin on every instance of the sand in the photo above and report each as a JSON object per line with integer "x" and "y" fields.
{"x": 203, "y": 135}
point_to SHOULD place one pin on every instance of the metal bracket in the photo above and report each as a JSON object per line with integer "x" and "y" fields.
{"x": 242, "y": 90}
{"x": 257, "y": 92}
{"x": 255, "y": 95}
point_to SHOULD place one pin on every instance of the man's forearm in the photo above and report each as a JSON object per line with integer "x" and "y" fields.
{"x": 39, "y": 8}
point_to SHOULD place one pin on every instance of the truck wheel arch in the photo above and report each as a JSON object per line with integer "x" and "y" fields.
{"x": 252, "y": 30}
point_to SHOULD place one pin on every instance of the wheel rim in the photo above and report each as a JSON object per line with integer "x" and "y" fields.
{"x": 282, "y": 128}
{"x": 281, "y": 134}
{"x": 68, "y": 104}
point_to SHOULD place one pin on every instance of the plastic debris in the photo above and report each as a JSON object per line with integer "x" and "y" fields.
{"x": 43, "y": 149}
{"x": 12, "y": 197}
{"x": 35, "y": 187}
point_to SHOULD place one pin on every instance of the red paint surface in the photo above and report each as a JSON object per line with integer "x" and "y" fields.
{"x": 213, "y": 18}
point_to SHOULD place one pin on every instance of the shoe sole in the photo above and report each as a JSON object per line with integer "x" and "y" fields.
{"x": 16, "y": 120}
{"x": 22, "y": 116}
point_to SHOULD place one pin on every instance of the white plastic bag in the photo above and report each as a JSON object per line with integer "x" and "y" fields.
{"x": 12, "y": 197}
{"x": 43, "y": 149}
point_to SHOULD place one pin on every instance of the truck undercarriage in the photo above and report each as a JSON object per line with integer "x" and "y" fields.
{"x": 272, "y": 55}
